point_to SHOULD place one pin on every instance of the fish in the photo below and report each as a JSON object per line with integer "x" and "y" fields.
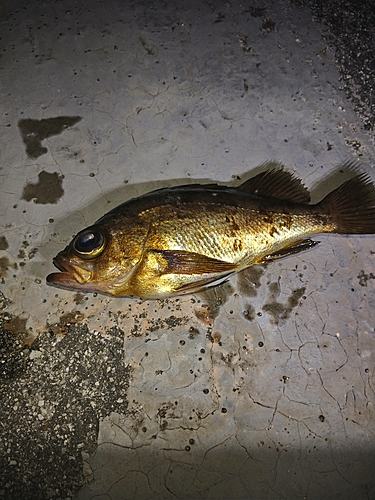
{"x": 183, "y": 239}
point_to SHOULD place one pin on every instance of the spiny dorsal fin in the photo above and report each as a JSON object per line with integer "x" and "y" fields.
{"x": 277, "y": 183}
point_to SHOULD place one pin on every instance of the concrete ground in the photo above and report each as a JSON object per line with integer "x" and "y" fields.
{"x": 261, "y": 388}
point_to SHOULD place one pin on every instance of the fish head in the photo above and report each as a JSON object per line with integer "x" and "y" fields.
{"x": 101, "y": 258}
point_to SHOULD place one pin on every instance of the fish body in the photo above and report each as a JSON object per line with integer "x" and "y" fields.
{"x": 180, "y": 240}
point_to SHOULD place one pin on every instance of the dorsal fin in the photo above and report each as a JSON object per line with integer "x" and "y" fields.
{"x": 279, "y": 184}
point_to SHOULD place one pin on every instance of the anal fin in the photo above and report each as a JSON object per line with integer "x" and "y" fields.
{"x": 296, "y": 247}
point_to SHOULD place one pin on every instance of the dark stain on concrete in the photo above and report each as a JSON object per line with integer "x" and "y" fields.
{"x": 48, "y": 189}
{"x": 249, "y": 313}
{"x": 143, "y": 325}
{"x": 364, "y": 277}
{"x": 3, "y": 243}
{"x": 16, "y": 325}
{"x": 249, "y": 281}
{"x": 21, "y": 254}
{"x": 32, "y": 253}
{"x": 146, "y": 45}
{"x": 277, "y": 310}
{"x": 204, "y": 314}
{"x": 5, "y": 265}
{"x": 33, "y": 132}
{"x": 79, "y": 298}
{"x": 66, "y": 320}
{"x": 212, "y": 300}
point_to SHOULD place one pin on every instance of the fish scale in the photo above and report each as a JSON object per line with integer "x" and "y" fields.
{"x": 257, "y": 237}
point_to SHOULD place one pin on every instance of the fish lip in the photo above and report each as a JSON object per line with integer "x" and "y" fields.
{"x": 69, "y": 272}
{"x": 59, "y": 263}
{"x": 64, "y": 265}
{"x": 61, "y": 280}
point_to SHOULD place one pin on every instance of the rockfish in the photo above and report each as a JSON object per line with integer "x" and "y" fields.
{"x": 183, "y": 239}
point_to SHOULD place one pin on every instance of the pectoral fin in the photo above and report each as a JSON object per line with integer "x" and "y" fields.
{"x": 182, "y": 262}
{"x": 296, "y": 247}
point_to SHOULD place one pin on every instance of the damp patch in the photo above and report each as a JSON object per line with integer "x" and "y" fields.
{"x": 33, "y": 132}
{"x": 279, "y": 311}
{"x": 3, "y": 243}
{"x": 48, "y": 189}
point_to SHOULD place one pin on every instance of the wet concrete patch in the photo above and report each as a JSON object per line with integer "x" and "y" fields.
{"x": 5, "y": 265}
{"x": 47, "y": 190}
{"x": 16, "y": 327}
{"x": 3, "y": 243}
{"x": 249, "y": 280}
{"x": 33, "y": 132}
{"x": 282, "y": 311}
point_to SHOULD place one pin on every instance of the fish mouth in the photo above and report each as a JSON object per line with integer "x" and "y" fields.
{"x": 60, "y": 263}
{"x": 69, "y": 278}
{"x": 73, "y": 276}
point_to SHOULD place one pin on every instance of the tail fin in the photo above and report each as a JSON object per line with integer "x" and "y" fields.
{"x": 352, "y": 206}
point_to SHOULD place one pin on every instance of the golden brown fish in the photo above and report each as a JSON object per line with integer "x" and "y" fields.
{"x": 183, "y": 239}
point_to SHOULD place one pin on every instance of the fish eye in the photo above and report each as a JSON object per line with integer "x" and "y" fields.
{"x": 89, "y": 244}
